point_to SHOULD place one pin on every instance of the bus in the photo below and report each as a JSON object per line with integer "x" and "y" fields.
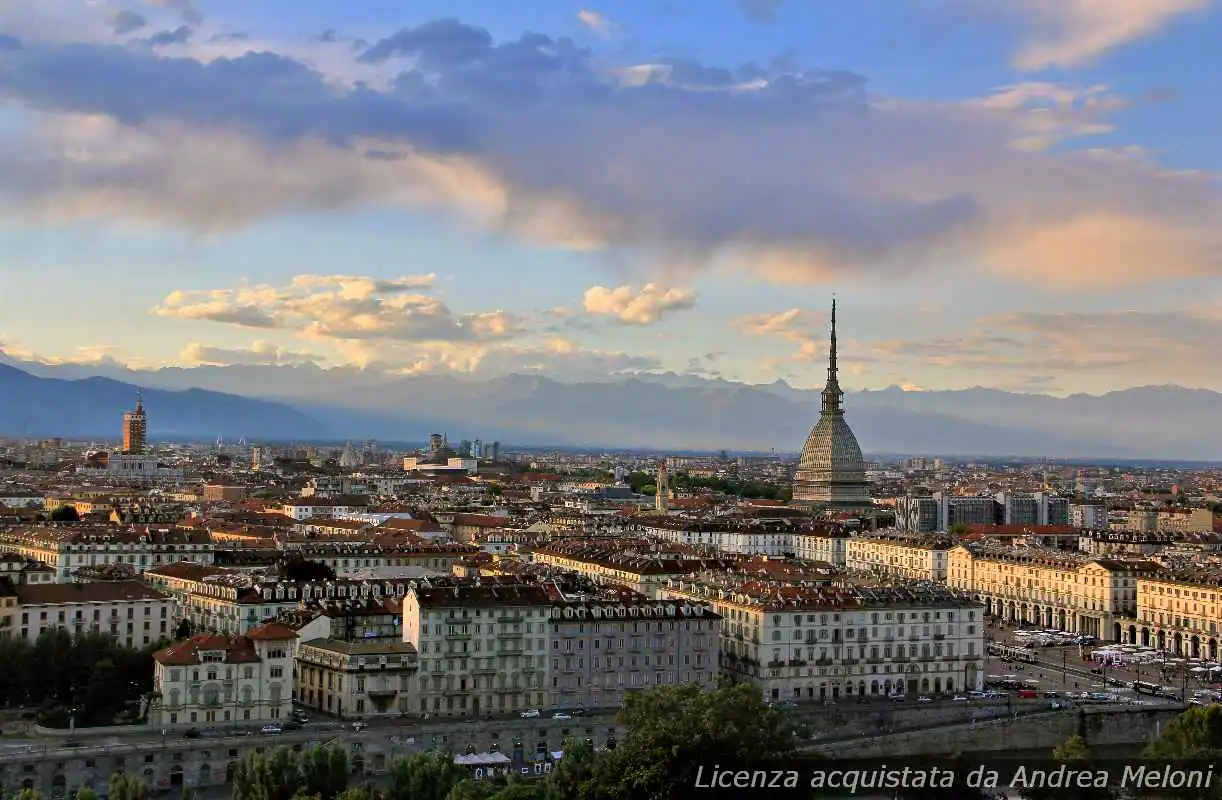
{"x": 1144, "y": 687}
{"x": 1007, "y": 653}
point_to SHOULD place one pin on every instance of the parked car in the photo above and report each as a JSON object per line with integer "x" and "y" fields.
{"x": 271, "y": 729}
{"x": 559, "y": 715}
{"x": 958, "y": 699}
{"x": 923, "y": 699}
{"x": 532, "y": 713}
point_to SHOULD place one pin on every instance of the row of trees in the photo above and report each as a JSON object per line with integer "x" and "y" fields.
{"x": 643, "y": 483}
{"x": 102, "y": 680}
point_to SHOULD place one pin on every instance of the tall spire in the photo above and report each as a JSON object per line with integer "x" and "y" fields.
{"x": 832, "y": 395}
{"x": 140, "y": 401}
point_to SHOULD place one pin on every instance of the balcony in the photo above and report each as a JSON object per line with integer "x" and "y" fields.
{"x": 937, "y": 637}
{"x": 511, "y": 651}
{"x": 823, "y": 662}
{"x": 849, "y": 661}
{"x": 508, "y": 618}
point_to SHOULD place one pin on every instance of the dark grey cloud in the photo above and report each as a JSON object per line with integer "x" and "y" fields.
{"x": 127, "y": 21}
{"x": 180, "y": 35}
{"x": 676, "y": 162}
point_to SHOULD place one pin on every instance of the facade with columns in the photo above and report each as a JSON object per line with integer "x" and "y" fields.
{"x": 1180, "y": 612}
{"x": 1054, "y": 589}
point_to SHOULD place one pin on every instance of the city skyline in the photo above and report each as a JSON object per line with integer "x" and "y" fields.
{"x": 1023, "y": 200}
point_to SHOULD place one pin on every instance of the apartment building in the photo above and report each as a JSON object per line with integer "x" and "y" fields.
{"x": 799, "y": 642}
{"x": 482, "y": 648}
{"x": 210, "y": 679}
{"x": 135, "y": 614}
{"x": 353, "y": 557}
{"x": 313, "y": 507}
{"x": 601, "y": 650}
{"x": 745, "y": 536}
{"x": 920, "y": 557}
{"x": 829, "y": 547}
{"x": 357, "y": 679}
{"x": 1051, "y": 588}
{"x": 66, "y": 548}
{"x": 621, "y": 562}
{"x": 1090, "y": 516}
{"x": 1179, "y": 610}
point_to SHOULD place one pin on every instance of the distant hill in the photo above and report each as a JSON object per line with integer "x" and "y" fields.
{"x": 93, "y": 408}
{"x": 655, "y": 411}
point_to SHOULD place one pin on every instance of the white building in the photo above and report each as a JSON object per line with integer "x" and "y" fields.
{"x": 218, "y": 679}
{"x": 133, "y": 469}
{"x": 135, "y": 614}
{"x": 482, "y": 648}
{"x": 829, "y": 548}
{"x": 1090, "y": 516}
{"x": 67, "y": 549}
{"x": 830, "y": 642}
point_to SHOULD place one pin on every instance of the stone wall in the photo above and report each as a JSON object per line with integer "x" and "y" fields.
{"x": 1100, "y": 727}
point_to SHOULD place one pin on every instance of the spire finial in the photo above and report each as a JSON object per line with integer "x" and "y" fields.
{"x": 831, "y": 393}
{"x": 139, "y": 399}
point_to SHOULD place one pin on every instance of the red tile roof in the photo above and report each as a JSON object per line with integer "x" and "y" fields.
{"x": 271, "y": 632}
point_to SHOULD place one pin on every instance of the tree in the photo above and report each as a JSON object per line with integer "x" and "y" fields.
{"x": 425, "y": 776}
{"x": 127, "y": 787}
{"x": 1074, "y": 753}
{"x": 86, "y": 793}
{"x": 1196, "y": 733}
{"x": 302, "y": 570}
{"x": 185, "y": 630}
{"x": 274, "y": 776}
{"x": 959, "y": 529}
{"x": 324, "y": 771}
{"x": 65, "y": 514}
{"x": 574, "y": 771}
{"x": 672, "y": 730}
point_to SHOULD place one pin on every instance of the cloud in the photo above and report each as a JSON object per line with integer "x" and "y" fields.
{"x": 1064, "y": 351}
{"x": 342, "y": 307}
{"x": 533, "y": 137}
{"x": 185, "y": 8}
{"x": 126, "y": 21}
{"x": 180, "y": 35}
{"x": 760, "y": 10}
{"x": 595, "y": 21}
{"x": 795, "y": 324}
{"x": 633, "y": 306}
{"x": 258, "y": 354}
{"x": 1073, "y": 33}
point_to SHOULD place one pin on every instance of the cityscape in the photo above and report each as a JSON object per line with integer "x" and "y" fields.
{"x": 507, "y": 401}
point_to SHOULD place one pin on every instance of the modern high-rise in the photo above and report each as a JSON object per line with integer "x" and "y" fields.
{"x": 832, "y": 471}
{"x": 135, "y": 429}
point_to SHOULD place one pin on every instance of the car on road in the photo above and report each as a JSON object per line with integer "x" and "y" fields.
{"x": 560, "y": 715}
{"x": 271, "y": 729}
{"x": 958, "y": 699}
{"x": 359, "y": 726}
{"x": 193, "y": 733}
{"x": 923, "y": 699}
{"x": 531, "y": 713}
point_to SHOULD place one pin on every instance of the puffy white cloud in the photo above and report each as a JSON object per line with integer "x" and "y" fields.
{"x": 342, "y": 307}
{"x": 260, "y": 353}
{"x": 594, "y": 21}
{"x": 633, "y": 306}
{"x": 1071, "y": 33}
{"x": 533, "y": 137}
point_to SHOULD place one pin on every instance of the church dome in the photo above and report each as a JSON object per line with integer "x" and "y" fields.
{"x": 831, "y": 452}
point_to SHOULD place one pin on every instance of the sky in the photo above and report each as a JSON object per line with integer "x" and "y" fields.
{"x": 1019, "y": 195}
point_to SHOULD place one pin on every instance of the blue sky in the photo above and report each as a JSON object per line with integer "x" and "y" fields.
{"x": 1024, "y": 198}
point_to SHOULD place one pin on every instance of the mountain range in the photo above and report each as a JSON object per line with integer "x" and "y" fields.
{"x": 641, "y": 411}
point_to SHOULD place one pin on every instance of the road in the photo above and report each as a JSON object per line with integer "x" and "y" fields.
{"x": 1063, "y": 668}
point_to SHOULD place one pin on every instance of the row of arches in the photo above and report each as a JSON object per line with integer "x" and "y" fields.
{"x": 1192, "y": 646}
